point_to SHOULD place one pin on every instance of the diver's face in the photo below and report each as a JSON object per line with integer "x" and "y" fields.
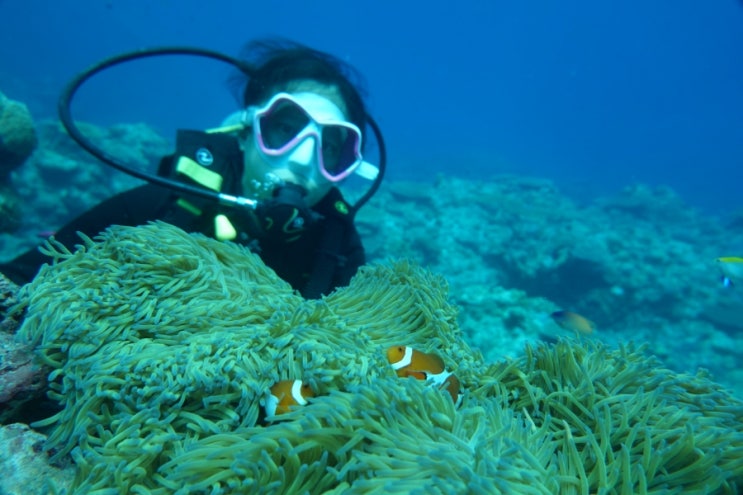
{"x": 299, "y": 165}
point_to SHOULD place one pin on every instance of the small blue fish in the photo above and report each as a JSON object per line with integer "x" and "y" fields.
{"x": 732, "y": 270}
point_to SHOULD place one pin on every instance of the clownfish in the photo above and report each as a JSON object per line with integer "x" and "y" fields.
{"x": 407, "y": 361}
{"x": 286, "y": 394}
{"x": 573, "y": 321}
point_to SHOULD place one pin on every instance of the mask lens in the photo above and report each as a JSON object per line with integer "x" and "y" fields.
{"x": 339, "y": 147}
{"x": 281, "y": 123}
{"x": 285, "y": 123}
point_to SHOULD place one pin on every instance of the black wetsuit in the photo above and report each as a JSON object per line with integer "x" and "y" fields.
{"x": 326, "y": 256}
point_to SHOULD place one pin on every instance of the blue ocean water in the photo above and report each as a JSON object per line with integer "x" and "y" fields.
{"x": 593, "y": 95}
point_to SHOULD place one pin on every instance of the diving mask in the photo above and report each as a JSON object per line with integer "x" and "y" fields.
{"x": 308, "y": 127}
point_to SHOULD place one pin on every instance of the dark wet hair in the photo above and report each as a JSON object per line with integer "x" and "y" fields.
{"x": 276, "y": 63}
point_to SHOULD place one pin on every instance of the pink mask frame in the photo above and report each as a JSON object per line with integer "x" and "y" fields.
{"x": 350, "y": 156}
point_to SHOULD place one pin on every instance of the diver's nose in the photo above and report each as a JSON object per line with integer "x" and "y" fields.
{"x": 304, "y": 153}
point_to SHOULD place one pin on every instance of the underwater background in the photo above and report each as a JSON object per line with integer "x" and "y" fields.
{"x": 543, "y": 157}
{"x": 593, "y": 95}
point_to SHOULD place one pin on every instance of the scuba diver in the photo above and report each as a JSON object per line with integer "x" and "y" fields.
{"x": 299, "y": 136}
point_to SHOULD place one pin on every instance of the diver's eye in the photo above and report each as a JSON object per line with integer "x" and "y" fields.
{"x": 284, "y": 131}
{"x": 333, "y": 140}
{"x": 281, "y": 125}
{"x": 330, "y": 149}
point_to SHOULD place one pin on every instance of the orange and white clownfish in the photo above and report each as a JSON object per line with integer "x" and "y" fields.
{"x": 407, "y": 361}
{"x": 286, "y": 394}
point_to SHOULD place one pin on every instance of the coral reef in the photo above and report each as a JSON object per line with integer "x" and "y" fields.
{"x": 512, "y": 249}
{"x": 529, "y": 236}
{"x": 17, "y": 142}
{"x": 164, "y": 345}
{"x": 17, "y": 135}
{"x": 21, "y": 378}
{"x": 10, "y": 209}
{"x": 67, "y": 180}
{"x": 25, "y": 469}
{"x": 8, "y": 299}
{"x": 61, "y": 180}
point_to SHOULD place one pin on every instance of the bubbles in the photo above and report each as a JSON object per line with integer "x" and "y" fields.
{"x": 264, "y": 188}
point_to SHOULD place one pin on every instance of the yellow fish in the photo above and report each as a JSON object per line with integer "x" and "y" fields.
{"x": 407, "y": 361}
{"x": 731, "y": 268}
{"x": 573, "y": 321}
{"x": 285, "y": 395}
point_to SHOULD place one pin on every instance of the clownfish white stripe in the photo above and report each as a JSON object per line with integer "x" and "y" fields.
{"x": 271, "y": 404}
{"x": 297, "y": 393}
{"x": 440, "y": 378}
{"x": 406, "y": 359}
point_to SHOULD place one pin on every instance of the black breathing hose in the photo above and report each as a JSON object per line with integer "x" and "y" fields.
{"x": 65, "y": 116}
